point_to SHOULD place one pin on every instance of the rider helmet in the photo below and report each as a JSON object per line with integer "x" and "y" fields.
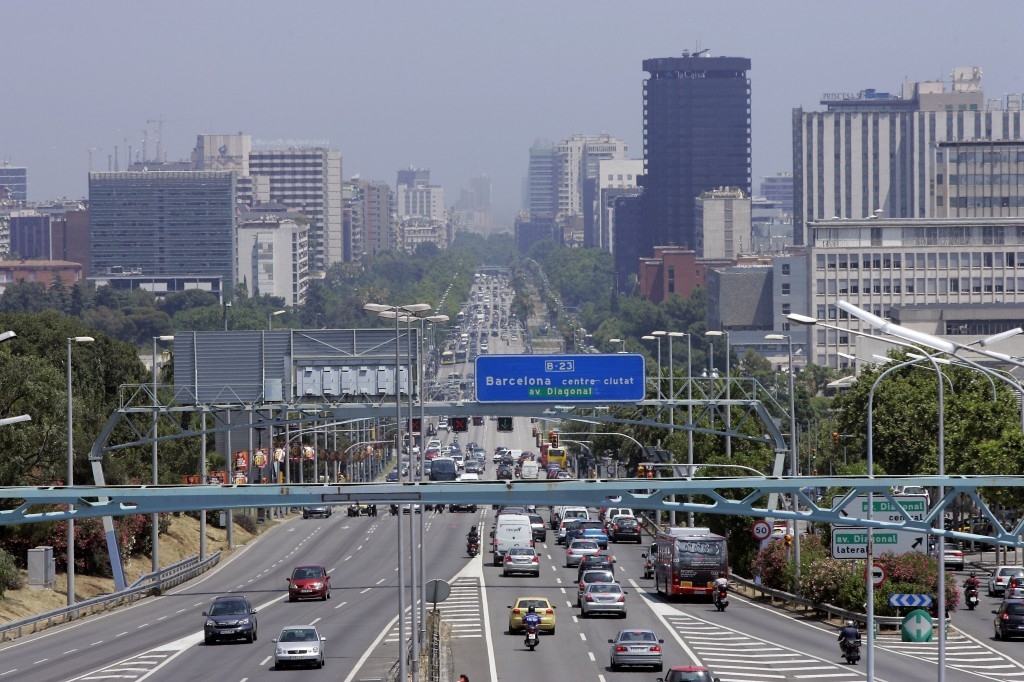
{"x": 531, "y": 610}
{"x": 848, "y": 623}
{"x": 972, "y": 574}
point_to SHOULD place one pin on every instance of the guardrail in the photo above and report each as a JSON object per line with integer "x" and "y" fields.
{"x": 149, "y": 584}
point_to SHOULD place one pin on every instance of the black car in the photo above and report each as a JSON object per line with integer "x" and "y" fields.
{"x": 462, "y": 508}
{"x": 1009, "y": 620}
{"x": 625, "y": 529}
{"x": 230, "y": 617}
{"x": 392, "y": 477}
{"x": 317, "y": 510}
{"x": 595, "y": 562}
{"x": 504, "y": 472}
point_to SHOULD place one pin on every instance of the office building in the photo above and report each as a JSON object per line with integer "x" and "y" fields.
{"x": 530, "y": 229}
{"x": 306, "y": 179}
{"x": 778, "y": 189}
{"x": 352, "y": 197}
{"x": 874, "y": 153}
{"x": 696, "y": 138}
{"x": 45, "y": 272}
{"x": 612, "y": 174}
{"x": 723, "y": 223}
{"x": 163, "y": 223}
{"x": 13, "y": 183}
{"x": 628, "y": 244}
{"x": 273, "y": 256}
{"x": 541, "y": 190}
{"x": 380, "y": 223}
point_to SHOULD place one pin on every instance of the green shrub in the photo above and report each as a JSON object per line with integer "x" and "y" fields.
{"x": 246, "y": 522}
{"x": 10, "y": 576}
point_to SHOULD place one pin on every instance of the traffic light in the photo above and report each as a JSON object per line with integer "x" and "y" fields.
{"x": 554, "y": 439}
{"x": 478, "y": 421}
{"x": 460, "y": 424}
{"x": 417, "y": 425}
{"x": 505, "y": 424}
{"x": 835, "y": 438}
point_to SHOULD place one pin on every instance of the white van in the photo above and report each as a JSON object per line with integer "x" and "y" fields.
{"x": 530, "y": 469}
{"x": 612, "y": 512}
{"x": 516, "y": 455}
{"x": 511, "y": 530}
{"x": 570, "y": 514}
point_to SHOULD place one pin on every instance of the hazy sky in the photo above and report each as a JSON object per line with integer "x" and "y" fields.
{"x": 457, "y": 86}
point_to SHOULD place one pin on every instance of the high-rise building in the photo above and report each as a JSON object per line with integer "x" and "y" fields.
{"x": 542, "y": 196}
{"x": 778, "y": 189}
{"x": 13, "y": 183}
{"x": 473, "y": 209}
{"x": 723, "y": 223}
{"x": 273, "y": 256}
{"x": 614, "y": 177}
{"x": 873, "y": 153}
{"x": 352, "y": 197}
{"x": 307, "y": 180}
{"x": 163, "y": 223}
{"x": 379, "y": 216}
{"x": 696, "y": 138}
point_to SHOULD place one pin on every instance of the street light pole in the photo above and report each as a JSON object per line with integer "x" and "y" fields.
{"x": 648, "y": 337}
{"x": 728, "y": 390}
{"x": 71, "y": 472}
{"x": 156, "y": 476}
{"x": 689, "y": 415}
{"x": 788, "y": 338}
{"x": 620, "y": 341}
{"x": 271, "y": 316}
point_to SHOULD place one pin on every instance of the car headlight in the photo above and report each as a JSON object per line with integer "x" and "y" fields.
{"x": 279, "y": 650}
{"x": 317, "y": 586}
{"x": 315, "y": 650}
{"x": 244, "y": 621}
{"x": 211, "y": 623}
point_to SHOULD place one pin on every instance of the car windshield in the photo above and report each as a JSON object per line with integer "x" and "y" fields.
{"x": 604, "y": 587}
{"x": 307, "y": 573}
{"x": 228, "y": 608}
{"x": 299, "y": 635}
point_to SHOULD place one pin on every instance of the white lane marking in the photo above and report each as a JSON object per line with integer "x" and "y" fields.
{"x": 366, "y": 590}
{"x": 340, "y": 605}
{"x": 314, "y": 621}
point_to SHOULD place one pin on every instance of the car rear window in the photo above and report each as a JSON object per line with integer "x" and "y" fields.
{"x": 598, "y": 577}
{"x": 583, "y": 544}
{"x": 605, "y": 587}
{"x": 1015, "y": 609}
{"x": 536, "y": 518}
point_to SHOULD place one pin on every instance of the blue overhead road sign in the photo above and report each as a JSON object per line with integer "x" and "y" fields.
{"x": 610, "y": 378}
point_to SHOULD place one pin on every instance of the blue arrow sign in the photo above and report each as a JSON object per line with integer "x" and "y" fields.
{"x": 910, "y": 600}
{"x": 609, "y": 378}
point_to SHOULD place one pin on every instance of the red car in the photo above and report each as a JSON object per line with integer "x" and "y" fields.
{"x": 309, "y": 582}
{"x": 688, "y": 673}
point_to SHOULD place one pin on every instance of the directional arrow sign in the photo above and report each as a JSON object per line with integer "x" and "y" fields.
{"x": 917, "y": 627}
{"x": 911, "y": 600}
{"x": 852, "y": 543}
{"x": 916, "y": 507}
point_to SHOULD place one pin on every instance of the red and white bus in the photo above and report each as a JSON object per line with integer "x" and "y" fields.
{"x": 688, "y": 562}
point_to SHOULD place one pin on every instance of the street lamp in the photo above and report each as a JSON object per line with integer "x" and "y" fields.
{"x": 689, "y": 407}
{"x": 728, "y": 389}
{"x": 648, "y": 337}
{"x": 792, "y": 453}
{"x": 71, "y": 473}
{"x": 156, "y": 477}
{"x": 658, "y": 334}
{"x": 622, "y": 341}
{"x": 271, "y": 316}
{"x": 398, "y": 311}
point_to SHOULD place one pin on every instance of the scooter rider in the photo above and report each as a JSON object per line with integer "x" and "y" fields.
{"x": 721, "y": 580}
{"x": 472, "y": 538}
{"x": 531, "y": 619}
{"x": 972, "y": 581}
{"x": 848, "y": 634}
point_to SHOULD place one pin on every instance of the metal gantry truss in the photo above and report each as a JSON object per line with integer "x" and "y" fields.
{"x": 742, "y": 496}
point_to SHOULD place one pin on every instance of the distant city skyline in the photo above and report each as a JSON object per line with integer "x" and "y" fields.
{"x": 399, "y": 84}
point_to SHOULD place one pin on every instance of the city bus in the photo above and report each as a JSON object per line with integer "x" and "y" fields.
{"x": 447, "y": 358}
{"x": 688, "y": 561}
{"x": 461, "y": 355}
{"x": 559, "y": 456}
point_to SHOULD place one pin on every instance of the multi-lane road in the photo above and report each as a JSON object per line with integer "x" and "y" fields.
{"x": 160, "y": 638}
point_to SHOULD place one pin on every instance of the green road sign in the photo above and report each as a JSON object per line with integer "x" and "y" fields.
{"x": 852, "y": 543}
{"x": 917, "y": 626}
{"x": 915, "y": 506}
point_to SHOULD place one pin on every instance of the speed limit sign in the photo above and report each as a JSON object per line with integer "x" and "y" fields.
{"x": 762, "y": 530}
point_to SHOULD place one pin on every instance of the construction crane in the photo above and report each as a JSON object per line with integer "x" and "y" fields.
{"x": 159, "y": 138}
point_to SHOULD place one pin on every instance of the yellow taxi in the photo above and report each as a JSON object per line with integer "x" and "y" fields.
{"x": 542, "y": 605}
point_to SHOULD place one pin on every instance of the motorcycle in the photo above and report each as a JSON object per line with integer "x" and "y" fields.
{"x": 472, "y": 548}
{"x": 851, "y": 650}
{"x": 721, "y": 597}
{"x": 971, "y": 597}
{"x": 532, "y": 638}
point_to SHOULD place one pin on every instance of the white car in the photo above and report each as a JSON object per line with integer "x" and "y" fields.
{"x": 1000, "y": 578}
{"x": 299, "y": 645}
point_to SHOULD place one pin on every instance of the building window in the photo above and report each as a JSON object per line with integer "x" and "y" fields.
{"x": 785, "y": 288}
{"x": 785, "y": 268}
{"x": 785, "y": 309}
{"x": 785, "y": 326}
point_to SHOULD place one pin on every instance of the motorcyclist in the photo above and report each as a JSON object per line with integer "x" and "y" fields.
{"x": 532, "y": 619}
{"x": 972, "y": 582}
{"x": 721, "y": 580}
{"x": 848, "y": 634}
{"x": 472, "y": 537}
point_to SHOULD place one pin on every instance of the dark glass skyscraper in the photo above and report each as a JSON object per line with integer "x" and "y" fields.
{"x": 696, "y": 138}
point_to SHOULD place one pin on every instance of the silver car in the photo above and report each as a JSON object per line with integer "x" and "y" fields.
{"x": 1001, "y": 578}
{"x": 521, "y": 560}
{"x": 603, "y": 598}
{"x": 595, "y": 576}
{"x": 298, "y": 645}
{"x": 636, "y": 647}
{"x": 575, "y": 552}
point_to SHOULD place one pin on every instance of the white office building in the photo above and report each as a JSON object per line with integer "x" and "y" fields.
{"x": 273, "y": 257}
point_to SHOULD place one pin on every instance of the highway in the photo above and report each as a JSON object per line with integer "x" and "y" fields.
{"x": 160, "y": 638}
